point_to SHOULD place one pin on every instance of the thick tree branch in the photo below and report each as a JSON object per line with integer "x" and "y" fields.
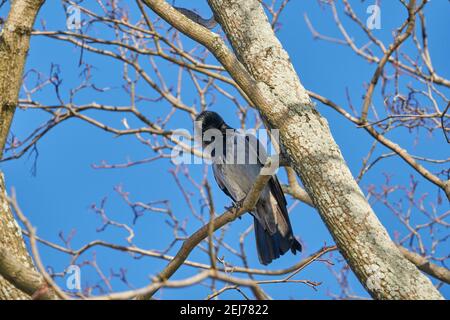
{"x": 15, "y": 41}
{"x": 426, "y": 266}
{"x": 24, "y": 278}
{"x": 11, "y": 236}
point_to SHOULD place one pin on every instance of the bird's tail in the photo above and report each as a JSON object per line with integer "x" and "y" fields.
{"x": 272, "y": 245}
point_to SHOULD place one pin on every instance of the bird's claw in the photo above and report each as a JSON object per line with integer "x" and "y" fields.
{"x": 236, "y": 206}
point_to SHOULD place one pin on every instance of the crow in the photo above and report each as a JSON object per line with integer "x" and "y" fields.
{"x": 237, "y": 160}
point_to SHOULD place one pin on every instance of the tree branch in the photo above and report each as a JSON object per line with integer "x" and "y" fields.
{"x": 426, "y": 266}
{"x": 24, "y": 278}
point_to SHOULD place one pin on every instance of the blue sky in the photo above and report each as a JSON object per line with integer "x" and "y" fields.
{"x": 59, "y": 197}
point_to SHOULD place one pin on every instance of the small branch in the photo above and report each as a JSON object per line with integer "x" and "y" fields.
{"x": 212, "y": 274}
{"x": 34, "y": 250}
{"x": 398, "y": 41}
{"x": 294, "y": 188}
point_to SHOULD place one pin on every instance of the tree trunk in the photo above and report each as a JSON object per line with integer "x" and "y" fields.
{"x": 316, "y": 158}
{"x": 14, "y": 44}
{"x": 11, "y": 238}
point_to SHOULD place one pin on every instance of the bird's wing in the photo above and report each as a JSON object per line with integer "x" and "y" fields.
{"x": 220, "y": 179}
{"x": 277, "y": 191}
{"x": 256, "y": 149}
{"x": 274, "y": 184}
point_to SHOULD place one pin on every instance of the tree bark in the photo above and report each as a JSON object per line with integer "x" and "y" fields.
{"x": 440, "y": 273}
{"x": 24, "y": 278}
{"x": 316, "y": 158}
{"x": 14, "y": 44}
{"x": 11, "y": 237}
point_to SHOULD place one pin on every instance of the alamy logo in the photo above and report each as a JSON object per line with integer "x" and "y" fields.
{"x": 374, "y": 20}
{"x": 73, "y": 281}
{"x": 73, "y": 21}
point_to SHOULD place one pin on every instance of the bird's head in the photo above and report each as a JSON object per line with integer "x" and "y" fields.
{"x": 210, "y": 120}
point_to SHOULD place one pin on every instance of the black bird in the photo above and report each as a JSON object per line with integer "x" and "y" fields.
{"x": 273, "y": 229}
